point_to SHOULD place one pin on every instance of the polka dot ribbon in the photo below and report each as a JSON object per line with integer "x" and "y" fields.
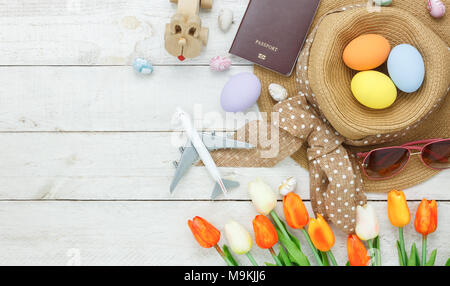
{"x": 335, "y": 180}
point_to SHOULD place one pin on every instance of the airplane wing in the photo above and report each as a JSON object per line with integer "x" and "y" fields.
{"x": 189, "y": 155}
{"x": 214, "y": 142}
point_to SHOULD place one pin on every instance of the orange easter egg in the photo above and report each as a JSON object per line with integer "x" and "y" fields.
{"x": 366, "y": 52}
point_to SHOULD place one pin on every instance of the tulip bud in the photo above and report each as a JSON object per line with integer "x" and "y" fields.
{"x": 263, "y": 197}
{"x": 295, "y": 211}
{"x": 204, "y": 232}
{"x": 265, "y": 233}
{"x": 426, "y": 217}
{"x": 321, "y": 234}
{"x": 367, "y": 226}
{"x": 398, "y": 210}
{"x": 357, "y": 253}
{"x": 238, "y": 237}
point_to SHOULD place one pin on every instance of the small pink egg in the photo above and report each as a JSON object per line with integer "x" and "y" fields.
{"x": 220, "y": 63}
{"x": 436, "y": 8}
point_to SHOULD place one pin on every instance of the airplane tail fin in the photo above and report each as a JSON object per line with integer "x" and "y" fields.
{"x": 218, "y": 190}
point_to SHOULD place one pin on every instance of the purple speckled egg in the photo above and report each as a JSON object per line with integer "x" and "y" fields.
{"x": 240, "y": 92}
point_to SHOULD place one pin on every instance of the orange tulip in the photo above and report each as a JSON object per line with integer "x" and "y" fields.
{"x": 426, "y": 217}
{"x": 398, "y": 211}
{"x": 321, "y": 234}
{"x": 295, "y": 211}
{"x": 357, "y": 253}
{"x": 204, "y": 232}
{"x": 265, "y": 233}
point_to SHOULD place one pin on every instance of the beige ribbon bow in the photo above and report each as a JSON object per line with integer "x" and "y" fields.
{"x": 335, "y": 182}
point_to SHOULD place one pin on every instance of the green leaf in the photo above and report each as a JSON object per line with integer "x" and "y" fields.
{"x": 284, "y": 257}
{"x": 412, "y": 260}
{"x": 230, "y": 257}
{"x": 432, "y": 258}
{"x": 269, "y": 264}
{"x": 292, "y": 237}
{"x": 399, "y": 252}
{"x": 295, "y": 254}
{"x": 324, "y": 257}
{"x": 448, "y": 262}
{"x": 417, "y": 257}
{"x": 348, "y": 263}
{"x": 376, "y": 242}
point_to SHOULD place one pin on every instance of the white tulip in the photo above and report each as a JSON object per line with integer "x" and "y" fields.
{"x": 238, "y": 237}
{"x": 263, "y": 197}
{"x": 367, "y": 226}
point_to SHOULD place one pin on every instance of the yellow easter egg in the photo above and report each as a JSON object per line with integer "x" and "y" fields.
{"x": 374, "y": 89}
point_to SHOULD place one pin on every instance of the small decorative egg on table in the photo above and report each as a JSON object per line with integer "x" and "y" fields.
{"x": 240, "y": 92}
{"x": 142, "y": 66}
{"x": 288, "y": 185}
{"x": 220, "y": 63}
{"x": 225, "y": 19}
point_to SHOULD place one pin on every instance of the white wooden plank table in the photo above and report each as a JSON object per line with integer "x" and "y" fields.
{"x": 87, "y": 144}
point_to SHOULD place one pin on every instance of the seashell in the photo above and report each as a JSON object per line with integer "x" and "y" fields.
{"x": 277, "y": 92}
{"x": 220, "y": 63}
{"x": 287, "y": 186}
{"x": 142, "y": 66}
{"x": 225, "y": 19}
{"x": 383, "y": 2}
{"x": 436, "y": 8}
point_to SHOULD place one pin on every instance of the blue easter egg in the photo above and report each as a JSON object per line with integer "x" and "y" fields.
{"x": 240, "y": 92}
{"x": 406, "y": 68}
{"x": 142, "y": 66}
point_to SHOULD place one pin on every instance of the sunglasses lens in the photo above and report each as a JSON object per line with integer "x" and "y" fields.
{"x": 384, "y": 163}
{"x": 436, "y": 154}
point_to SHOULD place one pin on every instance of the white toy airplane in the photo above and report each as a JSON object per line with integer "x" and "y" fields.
{"x": 199, "y": 147}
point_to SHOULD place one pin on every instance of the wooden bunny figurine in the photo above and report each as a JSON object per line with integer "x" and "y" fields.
{"x": 185, "y": 36}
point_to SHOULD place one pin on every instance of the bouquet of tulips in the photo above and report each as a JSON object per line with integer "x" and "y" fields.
{"x": 318, "y": 235}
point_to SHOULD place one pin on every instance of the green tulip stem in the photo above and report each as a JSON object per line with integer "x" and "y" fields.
{"x": 402, "y": 245}
{"x": 373, "y": 253}
{"x": 251, "y": 258}
{"x": 333, "y": 260}
{"x": 424, "y": 250}
{"x": 279, "y": 224}
{"x": 313, "y": 248}
{"x": 219, "y": 250}
{"x": 275, "y": 257}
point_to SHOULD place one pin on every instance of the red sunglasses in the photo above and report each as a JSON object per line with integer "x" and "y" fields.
{"x": 383, "y": 163}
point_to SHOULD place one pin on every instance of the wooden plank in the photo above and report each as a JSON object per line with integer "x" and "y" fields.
{"x": 101, "y": 32}
{"x": 133, "y": 166}
{"x": 155, "y": 233}
{"x": 112, "y": 98}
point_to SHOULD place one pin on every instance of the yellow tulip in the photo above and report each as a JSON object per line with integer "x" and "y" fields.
{"x": 398, "y": 210}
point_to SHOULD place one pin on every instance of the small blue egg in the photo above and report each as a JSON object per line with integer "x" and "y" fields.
{"x": 142, "y": 66}
{"x": 406, "y": 68}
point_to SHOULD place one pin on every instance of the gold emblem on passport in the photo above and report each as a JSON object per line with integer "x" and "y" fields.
{"x": 262, "y": 57}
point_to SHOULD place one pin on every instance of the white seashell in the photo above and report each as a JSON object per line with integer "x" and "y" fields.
{"x": 277, "y": 92}
{"x": 225, "y": 19}
{"x": 287, "y": 186}
{"x": 220, "y": 63}
{"x": 436, "y": 8}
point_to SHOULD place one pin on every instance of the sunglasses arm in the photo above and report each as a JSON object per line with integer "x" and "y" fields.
{"x": 421, "y": 142}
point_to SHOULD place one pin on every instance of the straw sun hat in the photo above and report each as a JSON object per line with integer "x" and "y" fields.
{"x": 421, "y": 115}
